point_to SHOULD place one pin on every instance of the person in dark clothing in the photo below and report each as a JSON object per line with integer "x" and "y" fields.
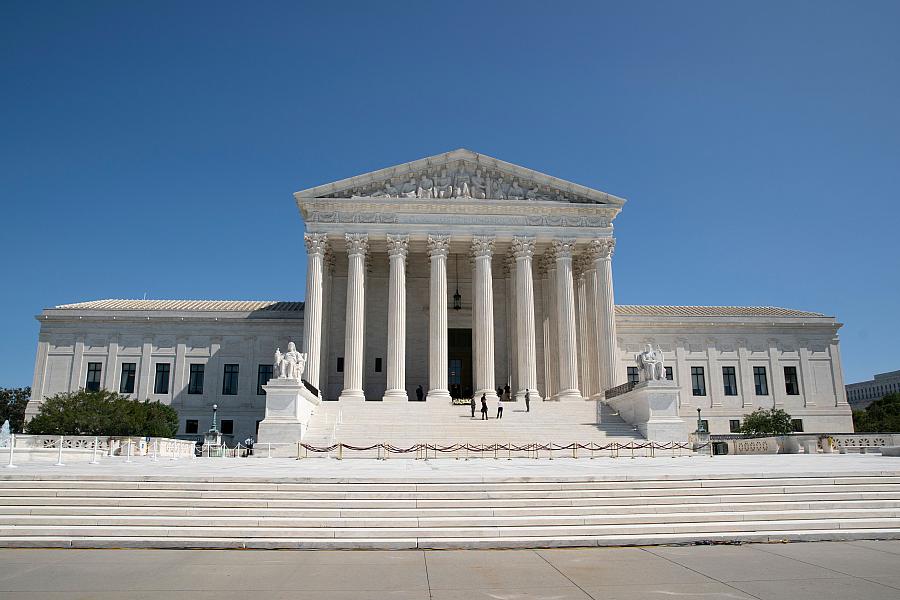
{"x": 419, "y": 393}
{"x": 484, "y": 408}
{"x": 506, "y": 391}
{"x": 472, "y": 404}
{"x": 500, "y": 393}
{"x": 500, "y": 408}
{"x": 527, "y": 401}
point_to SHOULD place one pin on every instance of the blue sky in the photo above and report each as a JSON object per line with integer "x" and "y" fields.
{"x": 152, "y": 147}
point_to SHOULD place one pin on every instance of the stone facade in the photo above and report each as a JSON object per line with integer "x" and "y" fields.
{"x": 531, "y": 259}
{"x": 863, "y": 393}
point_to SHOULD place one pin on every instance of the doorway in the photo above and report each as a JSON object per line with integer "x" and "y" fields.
{"x": 459, "y": 363}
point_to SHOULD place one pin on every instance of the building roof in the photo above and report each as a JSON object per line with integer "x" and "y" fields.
{"x": 637, "y": 310}
{"x": 186, "y": 305}
{"x": 711, "y": 311}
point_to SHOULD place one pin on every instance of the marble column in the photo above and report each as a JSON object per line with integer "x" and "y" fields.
{"x": 512, "y": 344}
{"x": 357, "y": 248}
{"x": 438, "y": 249}
{"x": 485, "y": 383}
{"x": 545, "y": 268}
{"x": 316, "y": 244}
{"x": 565, "y": 307}
{"x": 579, "y": 266}
{"x": 523, "y": 250}
{"x": 398, "y": 249}
{"x": 601, "y": 251}
{"x": 593, "y": 388}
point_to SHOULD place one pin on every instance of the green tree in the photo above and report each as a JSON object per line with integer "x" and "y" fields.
{"x": 104, "y": 413}
{"x": 12, "y": 406}
{"x": 773, "y": 421}
{"x": 883, "y": 415}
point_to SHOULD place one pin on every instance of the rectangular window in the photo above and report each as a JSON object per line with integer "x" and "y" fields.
{"x": 698, "y": 381}
{"x": 704, "y": 425}
{"x": 195, "y": 385}
{"x": 633, "y": 376}
{"x": 791, "y": 385}
{"x": 378, "y": 365}
{"x": 340, "y": 364}
{"x": 760, "y": 381}
{"x": 729, "y": 381}
{"x": 92, "y": 383}
{"x": 126, "y": 384}
{"x": 227, "y": 427}
{"x": 734, "y": 426}
{"x": 191, "y": 426}
{"x": 797, "y": 425}
{"x": 161, "y": 383}
{"x": 669, "y": 375}
{"x": 262, "y": 378}
{"x": 230, "y": 380}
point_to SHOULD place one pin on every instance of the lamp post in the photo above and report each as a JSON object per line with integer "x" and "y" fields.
{"x": 216, "y": 407}
{"x": 699, "y": 422}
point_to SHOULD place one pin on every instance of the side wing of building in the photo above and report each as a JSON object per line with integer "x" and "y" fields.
{"x": 189, "y": 355}
{"x": 730, "y": 361}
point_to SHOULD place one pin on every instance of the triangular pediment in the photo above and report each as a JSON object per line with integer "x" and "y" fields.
{"x": 461, "y": 174}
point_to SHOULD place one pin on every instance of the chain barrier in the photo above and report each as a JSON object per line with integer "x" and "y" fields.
{"x": 384, "y": 450}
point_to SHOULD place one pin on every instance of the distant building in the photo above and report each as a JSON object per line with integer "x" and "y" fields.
{"x": 862, "y": 394}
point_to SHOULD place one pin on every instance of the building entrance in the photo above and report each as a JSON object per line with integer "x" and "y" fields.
{"x": 459, "y": 355}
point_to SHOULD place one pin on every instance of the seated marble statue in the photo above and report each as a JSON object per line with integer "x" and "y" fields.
{"x": 291, "y": 364}
{"x": 650, "y": 362}
{"x": 443, "y": 185}
{"x": 388, "y": 191}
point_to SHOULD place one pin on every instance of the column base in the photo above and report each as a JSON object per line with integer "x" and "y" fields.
{"x": 351, "y": 395}
{"x": 573, "y": 394}
{"x": 533, "y": 395}
{"x": 438, "y": 395}
{"x": 395, "y": 395}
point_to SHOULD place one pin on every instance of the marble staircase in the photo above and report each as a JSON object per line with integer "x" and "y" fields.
{"x": 105, "y": 510}
{"x": 406, "y": 423}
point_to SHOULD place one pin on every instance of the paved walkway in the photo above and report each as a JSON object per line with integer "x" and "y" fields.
{"x": 448, "y": 469}
{"x": 866, "y": 570}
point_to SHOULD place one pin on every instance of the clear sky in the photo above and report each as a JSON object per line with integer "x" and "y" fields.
{"x": 152, "y": 147}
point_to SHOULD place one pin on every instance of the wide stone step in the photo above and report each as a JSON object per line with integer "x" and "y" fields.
{"x": 450, "y": 532}
{"x": 447, "y": 521}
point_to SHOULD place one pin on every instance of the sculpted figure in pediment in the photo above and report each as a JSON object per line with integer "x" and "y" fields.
{"x": 497, "y": 189}
{"x": 388, "y": 191}
{"x": 479, "y": 186}
{"x": 535, "y": 194}
{"x": 426, "y": 187}
{"x": 463, "y": 181}
{"x": 409, "y": 189}
{"x": 443, "y": 185}
{"x": 515, "y": 191}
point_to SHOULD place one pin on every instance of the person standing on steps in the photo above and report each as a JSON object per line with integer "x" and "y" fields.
{"x": 484, "y": 408}
{"x": 527, "y": 401}
{"x": 472, "y": 404}
{"x": 500, "y": 408}
{"x": 419, "y": 393}
{"x": 506, "y": 391}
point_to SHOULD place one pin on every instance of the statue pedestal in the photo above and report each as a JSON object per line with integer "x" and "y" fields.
{"x": 652, "y": 407}
{"x": 289, "y": 406}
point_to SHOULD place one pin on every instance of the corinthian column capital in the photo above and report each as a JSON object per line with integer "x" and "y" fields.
{"x": 438, "y": 245}
{"x": 601, "y": 248}
{"x": 523, "y": 247}
{"x": 564, "y": 248}
{"x": 316, "y": 243}
{"x": 483, "y": 246}
{"x": 398, "y": 245}
{"x": 357, "y": 243}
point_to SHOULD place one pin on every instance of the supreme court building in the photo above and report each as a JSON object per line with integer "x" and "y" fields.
{"x": 461, "y": 273}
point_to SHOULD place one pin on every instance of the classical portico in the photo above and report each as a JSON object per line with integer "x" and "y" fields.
{"x": 445, "y": 247}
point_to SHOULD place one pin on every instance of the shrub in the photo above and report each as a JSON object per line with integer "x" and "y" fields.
{"x": 883, "y": 415}
{"x": 773, "y": 421}
{"x": 12, "y": 406}
{"x": 102, "y": 413}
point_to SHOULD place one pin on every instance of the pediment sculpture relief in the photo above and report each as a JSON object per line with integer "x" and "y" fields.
{"x": 462, "y": 180}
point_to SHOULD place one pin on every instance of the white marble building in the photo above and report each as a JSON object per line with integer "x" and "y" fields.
{"x": 863, "y": 393}
{"x": 460, "y": 273}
